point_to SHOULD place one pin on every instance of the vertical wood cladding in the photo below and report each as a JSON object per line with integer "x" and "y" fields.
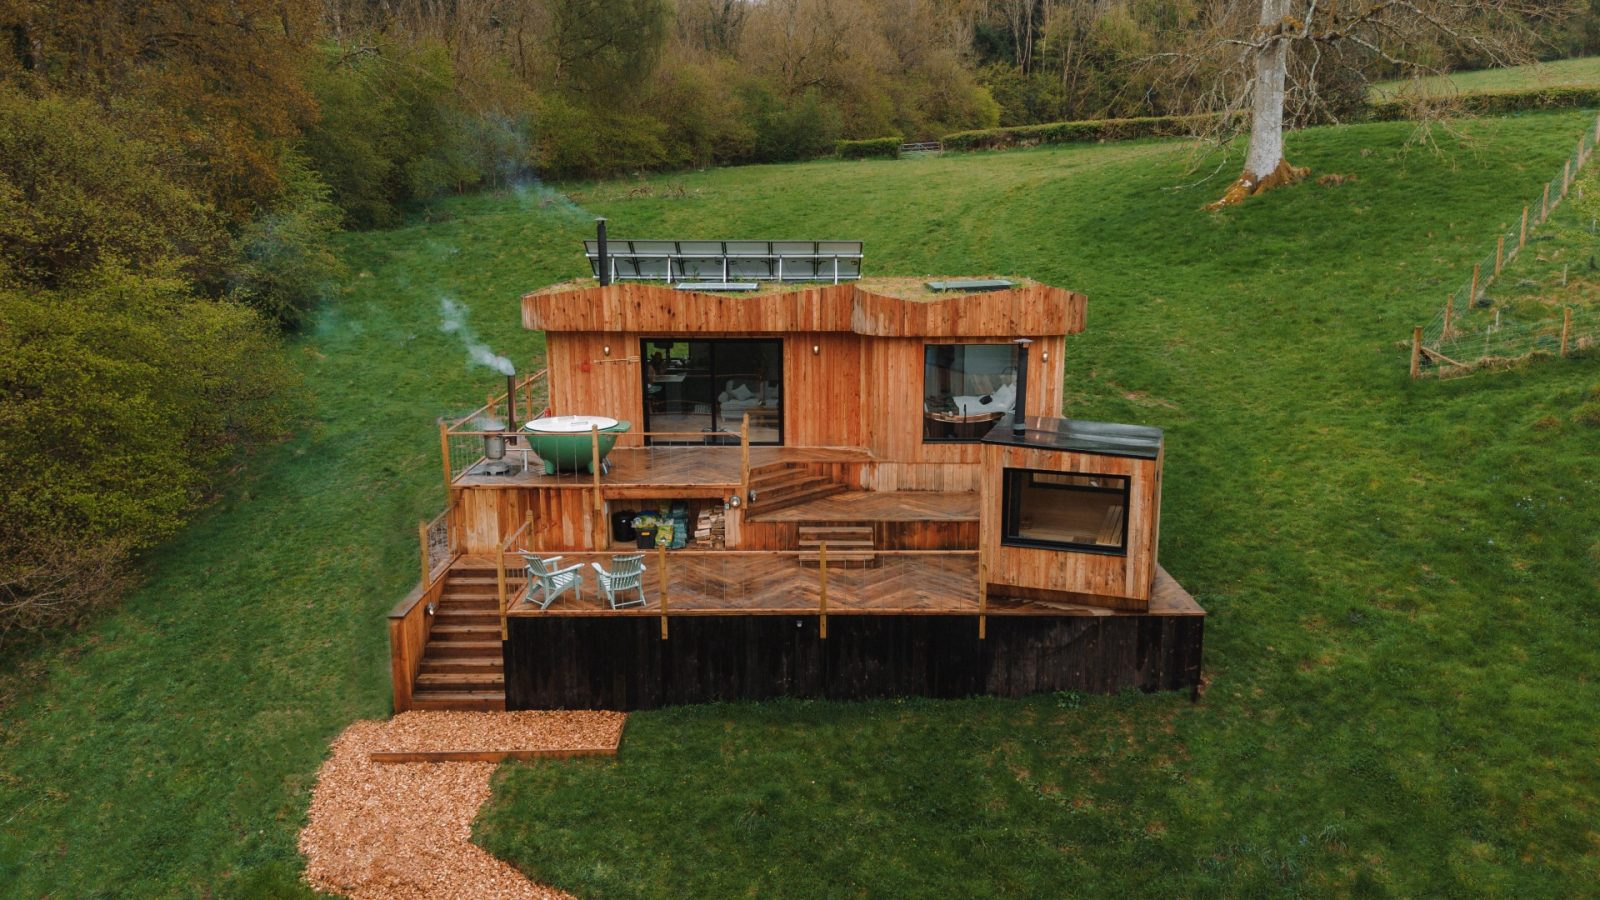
{"x": 621, "y": 662}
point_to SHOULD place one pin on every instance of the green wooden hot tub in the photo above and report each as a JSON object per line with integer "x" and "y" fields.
{"x": 564, "y": 443}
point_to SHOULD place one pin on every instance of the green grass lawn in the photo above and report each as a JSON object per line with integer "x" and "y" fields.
{"x": 1401, "y": 576}
{"x": 1583, "y": 72}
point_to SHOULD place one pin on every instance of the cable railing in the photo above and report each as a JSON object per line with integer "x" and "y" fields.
{"x": 820, "y": 581}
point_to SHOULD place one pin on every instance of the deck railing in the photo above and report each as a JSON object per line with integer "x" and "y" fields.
{"x": 461, "y": 440}
{"x": 463, "y": 450}
{"x": 515, "y": 543}
{"x": 823, "y": 582}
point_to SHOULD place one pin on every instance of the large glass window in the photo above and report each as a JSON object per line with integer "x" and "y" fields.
{"x": 966, "y": 389}
{"x": 1066, "y": 510}
{"x": 701, "y": 387}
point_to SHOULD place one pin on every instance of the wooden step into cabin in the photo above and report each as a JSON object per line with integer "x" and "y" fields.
{"x": 779, "y": 485}
{"x": 849, "y": 546}
{"x": 462, "y": 664}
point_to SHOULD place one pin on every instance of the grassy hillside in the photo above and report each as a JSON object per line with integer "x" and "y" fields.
{"x": 1583, "y": 72}
{"x": 1401, "y": 576}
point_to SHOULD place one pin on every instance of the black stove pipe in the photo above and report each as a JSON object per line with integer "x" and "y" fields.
{"x": 602, "y": 258}
{"x": 1019, "y": 415}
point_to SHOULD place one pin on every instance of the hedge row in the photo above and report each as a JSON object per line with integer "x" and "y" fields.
{"x": 1074, "y": 132}
{"x": 872, "y": 147}
{"x": 1493, "y": 103}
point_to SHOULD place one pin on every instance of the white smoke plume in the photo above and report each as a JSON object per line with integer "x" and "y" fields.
{"x": 453, "y": 320}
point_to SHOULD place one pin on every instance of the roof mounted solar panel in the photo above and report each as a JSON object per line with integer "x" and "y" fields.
{"x": 729, "y": 286}
{"x": 728, "y": 261}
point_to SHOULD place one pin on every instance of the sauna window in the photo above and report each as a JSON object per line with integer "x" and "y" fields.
{"x": 967, "y": 388}
{"x": 1066, "y": 511}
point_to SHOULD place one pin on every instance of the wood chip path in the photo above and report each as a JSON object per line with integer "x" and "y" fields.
{"x": 383, "y": 830}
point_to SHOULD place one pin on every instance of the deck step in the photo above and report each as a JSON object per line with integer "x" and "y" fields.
{"x": 445, "y": 633}
{"x": 460, "y": 681}
{"x": 812, "y": 491}
{"x": 839, "y": 546}
{"x": 842, "y": 560}
{"x": 486, "y": 649}
{"x": 486, "y": 701}
{"x": 446, "y": 664}
{"x": 455, "y": 615}
{"x": 490, "y": 603}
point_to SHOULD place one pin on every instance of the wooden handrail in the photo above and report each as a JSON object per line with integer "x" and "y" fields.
{"x": 495, "y": 400}
{"x": 744, "y": 460}
{"x": 500, "y": 569}
{"x": 661, "y": 564}
{"x": 822, "y": 590}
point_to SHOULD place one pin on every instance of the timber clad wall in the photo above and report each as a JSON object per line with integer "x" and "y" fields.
{"x": 862, "y": 387}
{"x": 1123, "y": 580}
{"x": 595, "y": 662}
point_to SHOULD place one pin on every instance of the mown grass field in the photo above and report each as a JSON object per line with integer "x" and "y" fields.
{"x": 1584, "y": 72}
{"x": 1401, "y": 576}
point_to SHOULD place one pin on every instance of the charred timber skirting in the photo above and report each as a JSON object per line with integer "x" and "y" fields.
{"x": 621, "y": 663}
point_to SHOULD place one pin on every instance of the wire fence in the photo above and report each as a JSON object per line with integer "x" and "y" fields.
{"x": 1471, "y": 332}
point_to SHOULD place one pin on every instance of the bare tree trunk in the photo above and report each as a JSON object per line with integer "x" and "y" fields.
{"x": 1264, "y": 165}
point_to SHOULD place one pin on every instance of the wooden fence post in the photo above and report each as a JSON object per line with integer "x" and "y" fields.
{"x": 1499, "y": 254}
{"x": 983, "y": 593}
{"x": 1544, "y": 205}
{"x": 1566, "y": 177}
{"x": 1566, "y": 329}
{"x": 1449, "y": 317}
{"x": 1476, "y": 274}
{"x": 500, "y": 585}
{"x": 1416, "y": 363}
{"x": 661, "y": 562}
{"x": 822, "y": 587}
{"x": 744, "y": 460}
{"x": 422, "y": 538}
{"x": 444, "y": 454}
{"x": 1522, "y": 238}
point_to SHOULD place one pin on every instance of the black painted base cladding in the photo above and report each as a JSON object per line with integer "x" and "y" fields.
{"x": 621, "y": 662}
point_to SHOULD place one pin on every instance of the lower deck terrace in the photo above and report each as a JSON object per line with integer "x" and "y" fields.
{"x": 689, "y": 582}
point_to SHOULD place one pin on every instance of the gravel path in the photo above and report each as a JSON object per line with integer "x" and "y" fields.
{"x": 404, "y": 831}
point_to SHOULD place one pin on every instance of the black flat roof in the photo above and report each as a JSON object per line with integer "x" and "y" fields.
{"x": 1078, "y": 436}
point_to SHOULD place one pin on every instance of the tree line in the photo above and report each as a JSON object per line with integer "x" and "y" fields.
{"x": 172, "y": 174}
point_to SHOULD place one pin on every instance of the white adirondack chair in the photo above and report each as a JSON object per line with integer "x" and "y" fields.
{"x": 548, "y": 582}
{"x": 626, "y": 574}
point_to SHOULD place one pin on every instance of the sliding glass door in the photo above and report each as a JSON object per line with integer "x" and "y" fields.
{"x": 694, "y": 388}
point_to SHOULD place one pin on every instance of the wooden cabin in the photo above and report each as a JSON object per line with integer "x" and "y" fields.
{"x": 870, "y": 490}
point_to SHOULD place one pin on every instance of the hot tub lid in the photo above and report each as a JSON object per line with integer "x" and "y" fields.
{"x": 570, "y": 424}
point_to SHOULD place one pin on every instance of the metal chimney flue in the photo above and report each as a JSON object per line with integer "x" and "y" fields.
{"x": 602, "y": 262}
{"x": 1019, "y": 415}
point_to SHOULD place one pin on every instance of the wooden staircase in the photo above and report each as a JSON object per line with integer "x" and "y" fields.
{"x": 849, "y": 546}
{"x": 462, "y": 665}
{"x": 778, "y": 485}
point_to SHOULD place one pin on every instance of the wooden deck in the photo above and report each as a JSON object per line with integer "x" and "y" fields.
{"x": 758, "y": 583}
{"x": 692, "y": 466}
{"x": 880, "y": 506}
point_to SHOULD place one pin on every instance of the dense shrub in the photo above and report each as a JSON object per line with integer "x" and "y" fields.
{"x": 1490, "y": 103}
{"x": 123, "y": 393}
{"x": 393, "y": 130}
{"x": 575, "y": 141}
{"x": 888, "y": 147}
{"x": 1075, "y": 132}
{"x": 282, "y": 262}
{"x": 76, "y": 193}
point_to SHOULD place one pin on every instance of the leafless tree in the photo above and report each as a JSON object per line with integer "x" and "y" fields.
{"x": 1265, "y": 62}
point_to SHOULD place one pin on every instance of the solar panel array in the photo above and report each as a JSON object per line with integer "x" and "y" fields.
{"x": 728, "y": 261}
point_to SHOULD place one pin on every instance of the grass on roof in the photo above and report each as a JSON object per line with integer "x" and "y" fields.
{"x": 1401, "y": 576}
